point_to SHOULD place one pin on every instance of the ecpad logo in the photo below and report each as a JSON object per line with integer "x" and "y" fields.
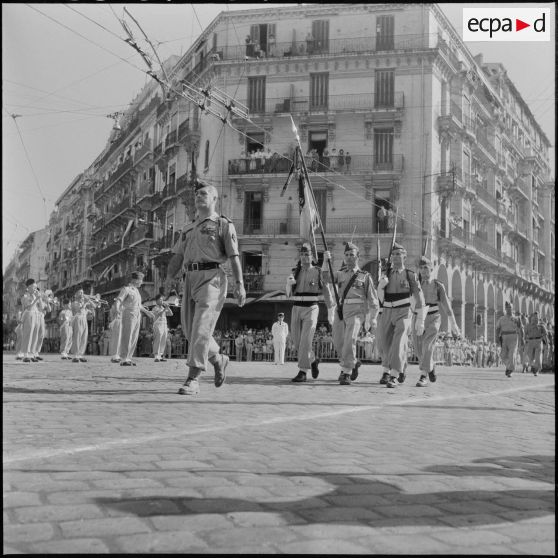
{"x": 506, "y": 24}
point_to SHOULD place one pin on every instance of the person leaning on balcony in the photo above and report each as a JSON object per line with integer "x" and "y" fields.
{"x": 395, "y": 291}
{"x": 304, "y": 286}
{"x": 509, "y": 332}
{"x": 65, "y": 322}
{"x": 128, "y": 304}
{"x": 203, "y": 247}
{"x": 359, "y": 303}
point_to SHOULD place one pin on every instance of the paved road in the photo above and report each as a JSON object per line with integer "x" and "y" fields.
{"x": 100, "y": 458}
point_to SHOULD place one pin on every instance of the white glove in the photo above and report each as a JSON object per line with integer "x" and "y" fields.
{"x": 383, "y": 282}
{"x": 330, "y": 315}
{"x": 419, "y": 323}
{"x": 327, "y": 257}
{"x": 372, "y": 325}
{"x": 291, "y": 280}
{"x": 454, "y": 327}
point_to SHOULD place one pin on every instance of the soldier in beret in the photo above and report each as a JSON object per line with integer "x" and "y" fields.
{"x": 304, "y": 285}
{"x": 204, "y": 245}
{"x": 395, "y": 290}
{"x": 359, "y": 306}
{"x": 509, "y": 333}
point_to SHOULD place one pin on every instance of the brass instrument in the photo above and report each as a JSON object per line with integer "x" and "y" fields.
{"x": 95, "y": 299}
{"x": 47, "y": 297}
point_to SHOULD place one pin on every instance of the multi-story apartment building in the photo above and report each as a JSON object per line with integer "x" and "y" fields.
{"x": 402, "y": 126}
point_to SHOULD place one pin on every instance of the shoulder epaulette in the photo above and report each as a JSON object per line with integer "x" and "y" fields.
{"x": 226, "y": 218}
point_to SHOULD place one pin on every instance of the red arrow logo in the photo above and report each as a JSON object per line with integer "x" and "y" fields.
{"x": 519, "y": 25}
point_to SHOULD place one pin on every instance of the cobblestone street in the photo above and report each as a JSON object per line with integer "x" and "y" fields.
{"x": 100, "y": 458}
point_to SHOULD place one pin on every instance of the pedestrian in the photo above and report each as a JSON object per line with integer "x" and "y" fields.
{"x": 65, "y": 322}
{"x": 239, "y": 345}
{"x": 509, "y": 332}
{"x": 303, "y": 288}
{"x": 203, "y": 247}
{"x": 394, "y": 291}
{"x": 115, "y": 326}
{"x": 249, "y": 345}
{"x": 80, "y": 310}
{"x": 279, "y": 331}
{"x": 536, "y": 337}
{"x": 358, "y": 302}
{"x": 160, "y": 328}
{"x": 29, "y": 320}
{"x": 105, "y": 342}
{"x": 435, "y": 299}
{"x": 128, "y": 304}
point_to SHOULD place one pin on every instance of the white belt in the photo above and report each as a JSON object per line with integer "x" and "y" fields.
{"x": 397, "y": 303}
{"x": 432, "y": 309}
{"x": 296, "y": 298}
{"x": 352, "y": 301}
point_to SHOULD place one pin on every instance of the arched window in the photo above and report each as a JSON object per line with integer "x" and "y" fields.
{"x": 206, "y": 160}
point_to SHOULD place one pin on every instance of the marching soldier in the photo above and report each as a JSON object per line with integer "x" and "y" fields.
{"x": 43, "y": 306}
{"x": 359, "y": 306}
{"x": 204, "y": 246}
{"x": 115, "y": 326}
{"x": 128, "y": 305}
{"x": 80, "y": 308}
{"x": 395, "y": 290}
{"x": 304, "y": 286}
{"x": 509, "y": 332}
{"x": 535, "y": 335}
{"x": 29, "y": 320}
{"x": 65, "y": 322}
{"x": 160, "y": 328}
{"x": 435, "y": 298}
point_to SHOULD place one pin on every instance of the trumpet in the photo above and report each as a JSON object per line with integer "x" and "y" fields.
{"x": 47, "y": 297}
{"x": 95, "y": 299}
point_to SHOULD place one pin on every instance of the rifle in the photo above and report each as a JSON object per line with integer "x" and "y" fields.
{"x": 388, "y": 266}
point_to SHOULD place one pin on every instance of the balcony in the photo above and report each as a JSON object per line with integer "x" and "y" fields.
{"x": 140, "y": 233}
{"x": 146, "y": 190}
{"x": 483, "y": 143}
{"x": 483, "y": 193}
{"x": 143, "y": 153}
{"x": 362, "y": 102}
{"x": 124, "y": 167}
{"x": 303, "y": 48}
{"x": 113, "y": 285}
{"x": 106, "y": 252}
{"x": 518, "y": 187}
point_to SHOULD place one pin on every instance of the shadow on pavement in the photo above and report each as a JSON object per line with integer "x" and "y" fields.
{"x": 371, "y": 502}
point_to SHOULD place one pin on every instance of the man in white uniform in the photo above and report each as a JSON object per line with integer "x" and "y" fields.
{"x": 279, "y": 330}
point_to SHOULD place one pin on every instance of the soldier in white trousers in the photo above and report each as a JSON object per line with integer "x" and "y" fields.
{"x": 29, "y": 320}
{"x": 65, "y": 322}
{"x": 115, "y": 327}
{"x": 160, "y": 328}
{"x": 279, "y": 330}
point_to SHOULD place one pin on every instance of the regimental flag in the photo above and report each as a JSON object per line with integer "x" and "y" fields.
{"x": 309, "y": 216}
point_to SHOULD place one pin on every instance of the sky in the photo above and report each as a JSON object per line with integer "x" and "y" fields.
{"x": 65, "y": 67}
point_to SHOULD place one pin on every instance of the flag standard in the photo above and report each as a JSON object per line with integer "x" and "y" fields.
{"x": 309, "y": 216}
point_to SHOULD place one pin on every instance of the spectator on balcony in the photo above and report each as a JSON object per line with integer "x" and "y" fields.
{"x": 252, "y": 161}
{"x": 310, "y": 42}
{"x": 249, "y": 47}
{"x": 271, "y": 45}
{"x": 341, "y": 161}
{"x": 348, "y": 159}
{"x": 267, "y": 160}
{"x": 325, "y": 160}
{"x": 333, "y": 160}
{"x": 258, "y": 51}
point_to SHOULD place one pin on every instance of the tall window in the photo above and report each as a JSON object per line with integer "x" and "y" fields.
{"x": 320, "y": 33}
{"x": 382, "y": 206}
{"x": 384, "y": 88}
{"x": 254, "y": 142}
{"x": 319, "y": 90}
{"x": 384, "y": 32}
{"x": 253, "y": 212}
{"x": 263, "y": 35}
{"x": 256, "y": 94}
{"x": 383, "y": 148}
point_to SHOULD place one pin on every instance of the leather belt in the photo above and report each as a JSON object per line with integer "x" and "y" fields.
{"x": 397, "y": 303}
{"x": 508, "y": 333}
{"x": 202, "y": 266}
{"x": 533, "y": 338}
{"x": 305, "y": 303}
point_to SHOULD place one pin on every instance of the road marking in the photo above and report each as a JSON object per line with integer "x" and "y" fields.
{"x": 45, "y": 454}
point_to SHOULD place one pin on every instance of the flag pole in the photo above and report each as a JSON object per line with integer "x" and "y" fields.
{"x": 388, "y": 267}
{"x": 305, "y": 173}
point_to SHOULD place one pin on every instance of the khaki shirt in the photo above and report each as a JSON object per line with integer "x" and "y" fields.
{"x": 130, "y": 298}
{"x": 532, "y": 331}
{"x": 401, "y": 281}
{"x": 211, "y": 240}
{"x": 308, "y": 281}
{"x": 508, "y": 324}
{"x": 362, "y": 293}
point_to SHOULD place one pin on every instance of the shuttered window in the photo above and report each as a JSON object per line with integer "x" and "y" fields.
{"x": 383, "y": 148}
{"x": 319, "y": 90}
{"x": 384, "y": 32}
{"x": 384, "y": 88}
{"x": 256, "y": 94}
{"x": 320, "y": 32}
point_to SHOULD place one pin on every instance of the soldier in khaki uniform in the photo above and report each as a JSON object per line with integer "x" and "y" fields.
{"x": 395, "y": 290}
{"x": 359, "y": 303}
{"x": 509, "y": 332}
{"x": 436, "y": 299}
{"x": 304, "y": 286}
{"x": 535, "y": 335}
{"x": 202, "y": 248}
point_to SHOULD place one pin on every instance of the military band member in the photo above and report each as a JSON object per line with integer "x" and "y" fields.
{"x": 203, "y": 247}
{"x": 29, "y": 320}
{"x": 43, "y": 306}
{"x": 395, "y": 290}
{"x": 279, "y": 331}
{"x": 535, "y": 336}
{"x": 115, "y": 326}
{"x": 80, "y": 309}
{"x": 160, "y": 328}
{"x": 359, "y": 303}
{"x": 435, "y": 298}
{"x": 18, "y": 332}
{"x": 509, "y": 332}
{"x": 128, "y": 305}
{"x": 304, "y": 286}
{"x": 65, "y": 322}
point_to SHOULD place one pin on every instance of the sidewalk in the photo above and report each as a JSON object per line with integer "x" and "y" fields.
{"x": 100, "y": 458}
